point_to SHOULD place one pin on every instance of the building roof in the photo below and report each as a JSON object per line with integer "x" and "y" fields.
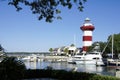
{"x": 72, "y": 48}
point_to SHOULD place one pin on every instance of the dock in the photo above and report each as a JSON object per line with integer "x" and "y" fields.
{"x": 50, "y": 58}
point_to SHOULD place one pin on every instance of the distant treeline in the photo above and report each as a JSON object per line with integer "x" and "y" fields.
{"x": 26, "y": 53}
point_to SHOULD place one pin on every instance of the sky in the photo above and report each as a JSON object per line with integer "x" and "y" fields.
{"x": 23, "y": 32}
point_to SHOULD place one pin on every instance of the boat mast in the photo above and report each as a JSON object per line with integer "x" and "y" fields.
{"x": 112, "y": 44}
{"x": 106, "y": 45}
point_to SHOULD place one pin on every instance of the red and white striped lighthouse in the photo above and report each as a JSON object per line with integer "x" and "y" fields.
{"x": 87, "y": 29}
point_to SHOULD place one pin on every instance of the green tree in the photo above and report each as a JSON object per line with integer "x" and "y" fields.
{"x": 12, "y": 69}
{"x": 72, "y": 45}
{"x": 51, "y": 50}
{"x": 90, "y": 48}
{"x": 66, "y": 50}
{"x": 107, "y": 46}
{"x": 47, "y": 9}
{"x": 116, "y": 43}
{"x": 2, "y": 52}
{"x": 1, "y": 48}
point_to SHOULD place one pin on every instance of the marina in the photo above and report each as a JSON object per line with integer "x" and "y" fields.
{"x": 102, "y": 70}
{"x": 73, "y": 48}
{"x": 58, "y": 62}
{"x": 42, "y": 61}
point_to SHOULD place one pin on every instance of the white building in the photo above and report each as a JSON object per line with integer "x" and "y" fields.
{"x": 66, "y": 50}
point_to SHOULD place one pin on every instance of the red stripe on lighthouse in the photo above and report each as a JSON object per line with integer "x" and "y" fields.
{"x": 91, "y": 28}
{"x": 87, "y": 38}
{"x": 85, "y": 48}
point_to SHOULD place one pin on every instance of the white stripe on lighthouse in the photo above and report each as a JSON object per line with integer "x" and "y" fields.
{"x": 87, "y": 33}
{"x": 87, "y": 43}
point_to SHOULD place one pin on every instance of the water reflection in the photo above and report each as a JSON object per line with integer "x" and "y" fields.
{"x": 64, "y": 65}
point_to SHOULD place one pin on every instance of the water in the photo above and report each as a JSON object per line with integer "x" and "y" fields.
{"x": 103, "y": 70}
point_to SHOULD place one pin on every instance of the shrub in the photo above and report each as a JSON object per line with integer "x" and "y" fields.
{"x": 65, "y": 75}
{"x": 12, "y": 69}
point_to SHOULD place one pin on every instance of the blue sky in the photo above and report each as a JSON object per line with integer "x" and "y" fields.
{"x": 22, "y": 32}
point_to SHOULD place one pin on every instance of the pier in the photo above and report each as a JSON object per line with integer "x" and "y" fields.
{"x": 39, "y": 56}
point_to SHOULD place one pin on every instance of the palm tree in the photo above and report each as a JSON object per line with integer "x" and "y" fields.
{"x": 51, "y": 50}
{"x": 12, "y": 69}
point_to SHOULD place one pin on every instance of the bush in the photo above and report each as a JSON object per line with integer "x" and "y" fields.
{"x": 12, "y": 69}
{"x": 65, "y": 75}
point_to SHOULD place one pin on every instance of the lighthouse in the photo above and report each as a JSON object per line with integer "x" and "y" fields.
{"x": 87, "y": 29}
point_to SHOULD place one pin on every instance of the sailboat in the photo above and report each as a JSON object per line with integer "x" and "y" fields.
{"x": 112, "y": 61}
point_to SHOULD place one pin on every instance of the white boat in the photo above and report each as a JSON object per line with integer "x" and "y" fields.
{"x": 30, "y": 58}
{"x": 33, "y": 57}
{"x": 92, "y": 58}
{"x": 76, "y": 59}
{"x": 25, "y": 58}
{"x": 113, "y": 62}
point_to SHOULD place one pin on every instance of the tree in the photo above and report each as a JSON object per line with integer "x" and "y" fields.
{"x": 1, "y": 48}
{"x": 95, "y": 46}
{"x": 12, "y": 69}
{"x": 90, "y": 48}
{"x": 66, "y": 50}
{"x": 116, "y": 43}
{"x": 47, "y": 9}
{"x": 51, "y": 50}
{"x": 72, "y": 45}
{"x": 2, "y": 52}
{"x": 108, "y": 45}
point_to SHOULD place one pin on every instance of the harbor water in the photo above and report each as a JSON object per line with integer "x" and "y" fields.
{"x": 41, "y": 64}
{"x": 102, "y": 70}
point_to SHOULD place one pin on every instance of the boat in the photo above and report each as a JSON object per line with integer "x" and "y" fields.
{"x": 33, "y": 58}
{"x": 30, "y": 58}
{"x": 75, "y": 58}
{"x": 111, "y": 61}
{"x": 25, "y": 58}
{"x": 93, "y": 58}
